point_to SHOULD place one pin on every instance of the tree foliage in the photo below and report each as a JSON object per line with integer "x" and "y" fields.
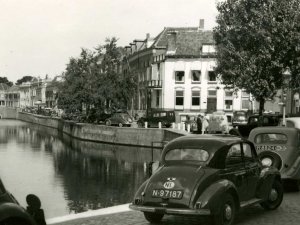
{"x": 257, "y": 42}
{"x": 4, "y": 80}
{"x": 95, "y": 80}
{"x": 24, "y": 79}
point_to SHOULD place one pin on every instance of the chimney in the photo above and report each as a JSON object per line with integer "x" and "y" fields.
{"x": 171, "y": 46}
{"x": 201, "y": 24}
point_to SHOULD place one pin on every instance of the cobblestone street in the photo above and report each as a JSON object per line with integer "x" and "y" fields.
{"x": 288, "y": 214}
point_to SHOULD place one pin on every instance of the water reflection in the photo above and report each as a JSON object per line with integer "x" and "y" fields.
{"x": 71, "y": 176}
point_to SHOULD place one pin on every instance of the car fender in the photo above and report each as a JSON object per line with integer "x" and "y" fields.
{"x": 211, "y": 196}
{"x": 266, "y": 180}
{"x": 12, "y": 210}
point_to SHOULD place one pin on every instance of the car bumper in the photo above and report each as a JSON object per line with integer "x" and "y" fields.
{"x": 173, "y": 211}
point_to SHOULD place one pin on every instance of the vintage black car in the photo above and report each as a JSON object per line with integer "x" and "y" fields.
{"x": 208, "y": 175}
{"x": 12, "y": 213}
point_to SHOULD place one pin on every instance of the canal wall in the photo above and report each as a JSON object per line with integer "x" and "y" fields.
{"x": 8, "y": 113}
{"x": 107, "y": 134}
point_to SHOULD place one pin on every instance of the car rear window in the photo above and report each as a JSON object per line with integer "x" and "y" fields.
{"x": 270, "y": 138}
{"x": 187, "y": 154}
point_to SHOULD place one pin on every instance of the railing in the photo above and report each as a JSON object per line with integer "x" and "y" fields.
{"x": 154, "y": 84}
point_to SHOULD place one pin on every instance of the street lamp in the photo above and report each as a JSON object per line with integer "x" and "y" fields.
{"x": 286, "y": 78}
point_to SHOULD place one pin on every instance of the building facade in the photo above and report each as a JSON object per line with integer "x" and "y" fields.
{"x": 175, "y": 71}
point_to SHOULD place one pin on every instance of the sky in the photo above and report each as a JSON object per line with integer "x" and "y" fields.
{"x": 38, "y": 37}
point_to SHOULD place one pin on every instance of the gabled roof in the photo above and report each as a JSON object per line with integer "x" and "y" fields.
{"x": 3, "y": 87}
{"x": 189, "y": 40}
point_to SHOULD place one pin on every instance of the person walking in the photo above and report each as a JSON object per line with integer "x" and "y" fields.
{"x": 199, "y": 124}
{"x": 205, "y": 124}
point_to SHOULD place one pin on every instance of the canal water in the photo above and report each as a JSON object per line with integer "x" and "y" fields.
{"x": 70, "y": 176}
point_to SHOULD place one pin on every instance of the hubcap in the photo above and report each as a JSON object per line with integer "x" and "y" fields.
{"x": 228, "y": 212}
{"x": 273, "y": 195}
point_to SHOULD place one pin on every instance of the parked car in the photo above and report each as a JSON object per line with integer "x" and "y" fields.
{"x": 239, "y": 117}
{"x": 119, "y": 119}
{"x": 153, "y": 118}
{"x": 12, "y": 213}
{"x": 218, "y": 123}
{"x": 208, "y": 175}
{"x": 291, "y": 122}
{"x": 279, "y": 147}
{"x": 256, "y": 121}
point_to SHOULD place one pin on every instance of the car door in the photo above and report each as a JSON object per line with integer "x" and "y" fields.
{"x": 252, "y": 167}
{"x": 235, "y": 170}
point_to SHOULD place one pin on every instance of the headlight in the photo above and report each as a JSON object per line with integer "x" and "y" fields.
{"x": 267, "y": 161}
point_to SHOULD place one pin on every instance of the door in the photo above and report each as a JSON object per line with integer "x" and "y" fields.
{"x": 252, "y": 170}
{"x": 235, "y": 170}
{"x": 211, "y": 105}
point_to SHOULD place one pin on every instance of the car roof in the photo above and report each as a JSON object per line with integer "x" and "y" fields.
{"x": 273, "y": 129}
{"x": 218, "y": 140}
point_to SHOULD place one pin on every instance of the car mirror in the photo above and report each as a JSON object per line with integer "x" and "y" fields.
{"x": 152, "y": 167}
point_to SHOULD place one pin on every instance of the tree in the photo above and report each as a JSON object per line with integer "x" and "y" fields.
{"x": 256, "y": 42}
{"x": 4, "y": 80}
{"x": 24, "y": 79}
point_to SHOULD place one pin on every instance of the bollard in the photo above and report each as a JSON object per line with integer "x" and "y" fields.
{"x": 178, "y": 126}
{"x": 173, "y": 125}
{"x": 189, "y": 128}
{"x": 146, "y": 124}
{"x": 159, "y": 125}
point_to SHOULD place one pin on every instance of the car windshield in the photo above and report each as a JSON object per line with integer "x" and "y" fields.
{"x": 187, "y": 154}
{"x": 270, "y": 138}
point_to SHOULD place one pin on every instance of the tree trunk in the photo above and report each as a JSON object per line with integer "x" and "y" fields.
{"x": 261, "y": 106}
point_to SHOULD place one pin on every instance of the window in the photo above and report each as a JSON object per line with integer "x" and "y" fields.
{"x": 228, "y": 104}
{"x": 196, "y": 75}
{"x": 187, "y": 154}
{"x": 234, "y": 155}
{"x": 212, "y": 93}
{"x": 245, "y": 104}
{"x": 196, "y": 98}
{"x": 245, "y": 94}
{"x": 179, "y": 98}
{"x": 179, "y": 76}
{"x": 208, "y": 48}
{"x": 212, "y": 76}
{"x": 270, "y": 138}
{"x": 248, "y": 152}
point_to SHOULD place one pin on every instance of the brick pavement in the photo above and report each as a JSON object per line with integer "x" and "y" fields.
{"x": 287, "y": 214}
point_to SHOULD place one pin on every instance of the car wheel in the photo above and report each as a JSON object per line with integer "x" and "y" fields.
{"x": 153, "y": 217}
{"x": 120, "y": 125}
{"x": 227, "y": 211}
{"x": 275, "y": 197}
{"x": 108, "y": 123}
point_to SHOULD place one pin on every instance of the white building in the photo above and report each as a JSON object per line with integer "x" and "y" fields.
{"x": 177, "y": 73}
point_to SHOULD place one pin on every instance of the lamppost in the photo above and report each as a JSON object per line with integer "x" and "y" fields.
{"x": 286, "y": 78}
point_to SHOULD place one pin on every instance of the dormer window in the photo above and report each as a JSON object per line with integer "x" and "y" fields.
{"x": 208, "y": 49}
{"x": 196, "y": 76}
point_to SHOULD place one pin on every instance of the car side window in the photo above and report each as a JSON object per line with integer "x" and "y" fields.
{"x": 248, "y": 156}
{"x": 234, "y": 156}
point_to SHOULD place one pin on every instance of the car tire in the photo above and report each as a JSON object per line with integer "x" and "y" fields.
{"x": 108, "y": 123}
{"x": 275, "y": 196}
{"x": 227, "y": 211}
{"x": 153, "y": 217}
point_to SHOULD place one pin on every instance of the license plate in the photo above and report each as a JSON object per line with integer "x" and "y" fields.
{"x": 162, "y": 193}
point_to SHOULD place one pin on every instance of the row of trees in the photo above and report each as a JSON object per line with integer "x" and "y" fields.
{"x": 95, "y": 82}
{"x": 258, "y": 43}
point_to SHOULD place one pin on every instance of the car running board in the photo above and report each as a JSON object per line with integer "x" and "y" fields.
{"x": 250, "y": 202}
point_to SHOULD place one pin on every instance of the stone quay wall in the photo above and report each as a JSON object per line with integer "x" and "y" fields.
{"x": 108, "y": 134}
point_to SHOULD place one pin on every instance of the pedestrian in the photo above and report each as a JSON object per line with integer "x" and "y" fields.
{"x": 187, "y": 122}
{"x": 199, "y": 124}
{"x": 205, "y": 124}
{"x": 34, "y": 209}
